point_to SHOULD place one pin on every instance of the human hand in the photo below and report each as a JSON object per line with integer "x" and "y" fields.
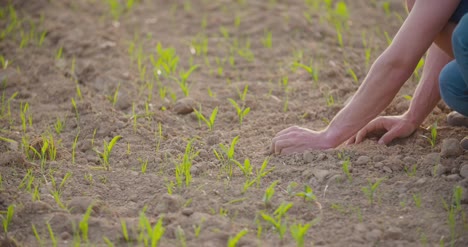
{"x": 297, "y": 140}
{"x": 393, "y": 126}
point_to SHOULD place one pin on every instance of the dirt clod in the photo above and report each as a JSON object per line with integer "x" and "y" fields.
{"x": 464, "y": 143}
{"x": 185, "y": 106}
{"x": 450, "y": 148}
{"x": 464, "y": 171}
{"x": 363, "y": 160}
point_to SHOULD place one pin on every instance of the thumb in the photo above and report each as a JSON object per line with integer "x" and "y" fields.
{"x": 389, "y": 136}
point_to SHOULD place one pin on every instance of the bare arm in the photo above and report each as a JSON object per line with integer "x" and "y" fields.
{"x": 391, "y": 70}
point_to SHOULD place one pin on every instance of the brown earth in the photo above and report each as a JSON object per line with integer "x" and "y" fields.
{"x": 412, "y": 207}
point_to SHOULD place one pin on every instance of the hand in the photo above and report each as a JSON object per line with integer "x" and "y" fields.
{"x": 393, "y": 126}
{"x": 297, "y": 140}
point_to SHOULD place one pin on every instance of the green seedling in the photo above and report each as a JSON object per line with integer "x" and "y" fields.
{"x": 388, "y": 38}
{"x": 51, "y": 235}
{"x": 411, "y": 171}
{"x": 277, "y": 220}
{"x": 6, "y": 108}
{"x": 58, "y": 126}
{"x": 6, "y": 221}
{"x": 83, "y": 225}
{"x": 36, "y": 234}
{"x": 228, "y": 155}
{"x": 24, "y": 115}
{"x": 123, "y": 225}
{"x": 417, "y": 200}
{"x": 182, "y": 170}
{"x": 74, "y": 145}
{"x": 113, "y": 98}
{"x": 330, "y": 100}
{"x": 77, "y": 115}
{"x": 199, "y": 45}
{"x": 311, "y": 69}
{"x": 267, "y": 39}
{"x": 105, "y": 154}
{"x": 346, "y": 170}
{"x": 143, "y": 165}
{"x": 241, "y": 111}
{"x": 433, "y": 139}
{"x": 209, "y": 122}
{"x": 418, "y": 68}
{"x": 307, "y": 194}
{"x": 291, "y": 187}
{"x": 58, "y": 55}
{"x": 150, "y": 236}
{"x": 260, "y": 173}
{"x": 353, "y": 75}
{"x": 56, "y": 195}
{"x": 298, "y": 232}
{"x": 269, "y": 192}
{"x": 232, "y": 241}
{"x": 243, "y": 94}
{"x": 371, "y": 189}
{"x": 246, "y": 168}
{"x": 183, "y": 81}
{"x": 197, "y": 228}
{"x": 180, "y": 236}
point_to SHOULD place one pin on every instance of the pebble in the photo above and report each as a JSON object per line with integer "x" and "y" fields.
{"x": 431, "y": 159}
{"x": 421, "y": 181}
{"x": 453, "y": 177}
{"x": 393, "y": 233}
{"x": 410, "y": 160}
{"x": 378, "y": 158}
{"x": 387, "y": 169}
{"x": 464, "y": 171}
{"x": 321, "y": 175}
{"x": 450, "y": 148}
{"x": 379, "y": 165}
{"x": 464, "y": 143}
{"x": 65, "y": 235}
{"x": 363, "y": 160}
{"x": 187, "y": 211}
{"x": 438, "y": 170}
{"x": 184, "y": 106}
{"x": 308, "y": 157}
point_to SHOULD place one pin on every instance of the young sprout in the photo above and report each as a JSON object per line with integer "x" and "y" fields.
{"x": 298, "y": 232}
{"x": 83, "y": 225}
{"x": 58, "y": 55}
{"x": 182, "y": 170}
{"x": 307, "y": 194}
{"x": 346, "y": 170}
{"x": 246, "y": 168}
{"x": 242, "y": 95}
{"x": 417, "y": 200}
{"x": 241, "y": 111}
{"x": 184, "y": 75}
{"x": 143, "y": 164}
{"x": 6, "y": 221}
{"x": 209, "y": 122}
{"x": 74, "y": 145}
{"x": 371, "y": 189}
{"x": 277, "y": 220}
{"x": 105, "y": 154}
{"x": 228, "y": 157}
{"x": 113, "y": 98}
{"x": 58, "y": 126}
{"x": 353, "y": 75}
{"x": 267, "y": 39}
{"x": 52, "y": 235}
{"x": 269, "y": 192}
{"x": 232, "y": 241}
{"x": 432, "y": 140}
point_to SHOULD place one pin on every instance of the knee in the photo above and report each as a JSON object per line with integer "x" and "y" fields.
{"x": 448, "y": 81}
{"x": 460, "y": 35}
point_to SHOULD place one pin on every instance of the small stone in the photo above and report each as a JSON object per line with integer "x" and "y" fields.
{"x": 453, "y": 177}
{"x": 464, "y": 143}
{"x": 421, "y": 181}
{"x": 308, "y": 157}
{"x": 185, "y": 106}
{"x": 362, "y": 160}
{"x": 439, "y": 170}
{"x": 464, "y": 197}
{"x": 373, "y": 235}
{"x": 410, "y": 160}
{"x": 451, "y": 148}
{"x": 464, "y": 171}
{"x": 168, "y": 203}
{"x": 65, "y": 235}
{"x": 360, "y": 227}
{"x": 379, "y": 165}
{"x": 187, "y": 211}
{"x": 431, "y": 159}
{"x": 321, "y": 175}
{"x": 387, "y": 169}
{"x": 393, "y": 233}
{"x": 321, "y": 156}
{"x": 212, "y": 140}
{"x": 378, "y": 158}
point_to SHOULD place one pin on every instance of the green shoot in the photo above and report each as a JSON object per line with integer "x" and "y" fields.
{"x": 184, "y": 75}
{"x": 143, "y": 165}
{"x": 232, "y": 242}
{"x": 58, "y": 55}
{"x": 277, "y": 220}
{"x": 124, "y": 230}
{"x": 298, "y": 232}
{"x": 58, "y": 126}
{"x": 83, "y": 225}
{"x": 269, "y": 192}
{"x": 209, "y": 122}
{"x": 353, "y": 75}
{"x": 312, "y": 69}
{"x": 417, "y": 200}
{"x": 307, "y": 194}
{"x": 52, "y": 235}
{"x": 432, "y": 140}
{"x": 346, "y": 170}
{"x": 36, "y": 234}
{"x": 182, "y": 170}
{"x": 105, "y": 154}
{"x": 6, "y": 221}
{"x": 246, "y": 168}
{"x": 241, "y": 111}
{"x": 371, "y": 189}
{"x": 114, "y": 97}
{"x": 243, "y": 94}
{"x": 74, "y": 145}
{"x": 267, "y": 39}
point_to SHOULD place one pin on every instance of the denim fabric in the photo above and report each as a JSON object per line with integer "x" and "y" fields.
{"x": 454, "y": 76}
{"x": 461, "y": 10}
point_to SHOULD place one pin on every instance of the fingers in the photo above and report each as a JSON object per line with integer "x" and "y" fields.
{"x": 389, "y": 136}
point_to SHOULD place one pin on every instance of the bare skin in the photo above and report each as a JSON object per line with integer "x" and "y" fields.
{"x": 428, "y": 29}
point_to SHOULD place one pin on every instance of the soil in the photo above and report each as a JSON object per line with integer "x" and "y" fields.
{"x": 86, "y": 47}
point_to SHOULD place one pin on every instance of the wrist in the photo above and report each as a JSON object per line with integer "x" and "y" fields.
{"x": 412, "y": 118}
{"x": 331, "y": 138}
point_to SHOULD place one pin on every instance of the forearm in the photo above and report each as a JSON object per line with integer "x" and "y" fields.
{"x": 427, "y": 93}
{"x": 378, "y": 89}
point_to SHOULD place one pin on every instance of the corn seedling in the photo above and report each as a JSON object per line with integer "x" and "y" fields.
{"x": 298, "y": 232}
{"x": 184, "y": 75}
{"x": 58, "y": 126}
{"x": 307, "y": 194}
{"x": 242, "y": 95}
{"x": 260, "y": 173}
{"x": 311, "y": 69}
{"x": 345, "y": 167}
{"x": 105, "y": 154}
{"x": 388, "y": 38}
{"x": 269, "y": 192}
{"x": 411, "y": 171}
{"x": 232, "y": 241}
{"x": 199, "y": 45}
{"x": 353, "y": 75}
{"x": 228, "y": 157}
{"x": 74, "y": 145}
{"x": 418, "y": 68}
{"x": 267, "y": 39}
{"x": 241, "y": 111}
{"x": 143, "y": 165}
{"x": 7, "y": 110}
{"x": 291, "y": 187}
{"x": 77, "y": 115}
{"x": 150, "y": 236}
{"x": 330, "y": 100}
{"x": 6, "y": 221}
{"x": 113, "y": 98}
{"x": 432, "y": 140}
{"x": 83, "y": 225}
{"x": 182, "y": 170}
{"x": 58, "y": 54}
{"x": 277, "y": 220}
{"x": 246, "y": 168}
{"x": 51, "y": 235}
{"x": 209, "y": 122}
{"x": 180, "y": 236}
{"x": 56, "y": 195}
{"x": 371, "y": 189}
{"x": 24, "y": 115}
{"x": 37, "y": 236}
{"x": 417, "y": 200}
{"x": 197, "y": 228}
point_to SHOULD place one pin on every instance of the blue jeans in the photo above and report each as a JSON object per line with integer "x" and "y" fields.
{"x": 453, "y": 79}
